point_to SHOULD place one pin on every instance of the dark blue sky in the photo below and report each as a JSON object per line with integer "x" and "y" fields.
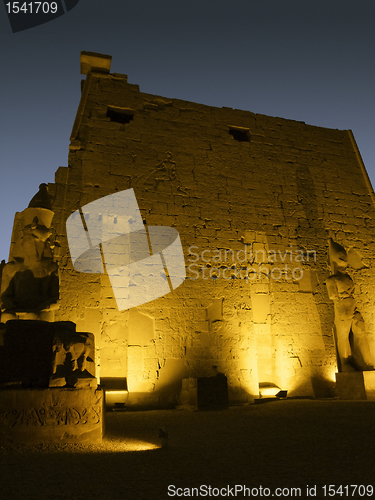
{"x": 308, "y": 60}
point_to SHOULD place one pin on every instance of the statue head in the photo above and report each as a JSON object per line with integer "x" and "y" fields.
{"x": 337, "y": 257}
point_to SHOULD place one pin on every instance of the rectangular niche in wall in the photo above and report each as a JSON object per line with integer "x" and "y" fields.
{"x": 120, "y": 115}
{"x": 240, "y": 133}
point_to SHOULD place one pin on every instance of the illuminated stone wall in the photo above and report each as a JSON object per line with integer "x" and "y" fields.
{"x": 254, "y": 199}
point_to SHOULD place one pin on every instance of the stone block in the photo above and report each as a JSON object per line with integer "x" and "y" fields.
{"x": 356, "y": 385}
{"x": 204, "y": 393}
{"x": 261, "y": 307}
{"x": 212, "y": 393}
{"x": 141, "y": 328}
{"x": 93, "y": 61}
{"x": 59, "y": 415}
{"x": 188, "y": 397}
{"x": 369, "y": 381}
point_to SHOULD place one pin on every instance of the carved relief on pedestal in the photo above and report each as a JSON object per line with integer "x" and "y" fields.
{"x": 38, "y": 417}
{"x": 73, "y": 360}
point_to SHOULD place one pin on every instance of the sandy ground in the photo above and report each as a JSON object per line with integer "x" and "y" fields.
{"x": 282, "y": 444}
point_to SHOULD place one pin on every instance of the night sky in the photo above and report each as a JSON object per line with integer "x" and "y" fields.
{"x": 307, "y": 60}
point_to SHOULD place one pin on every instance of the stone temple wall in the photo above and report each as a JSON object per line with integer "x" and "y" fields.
{"x": 255, "y": 200}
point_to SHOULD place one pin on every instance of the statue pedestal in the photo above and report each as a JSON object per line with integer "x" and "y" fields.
{"x": 48, "y": 388}
{"x": 356, "y": 385}
{"x": 59, "y": 415}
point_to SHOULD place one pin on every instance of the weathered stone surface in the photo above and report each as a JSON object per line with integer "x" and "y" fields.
{"x": 249, "y": 212}
{"x": 356, "y": 385}
{"x": 59, "y": 415}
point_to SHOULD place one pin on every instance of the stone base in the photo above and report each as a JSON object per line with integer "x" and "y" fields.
{"x": 204, "y": 393}
{"x": 356, "y": 385}
{"x": 58, "y": 415}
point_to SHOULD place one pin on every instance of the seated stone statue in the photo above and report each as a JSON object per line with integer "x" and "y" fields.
{"x": 29, "y": 284}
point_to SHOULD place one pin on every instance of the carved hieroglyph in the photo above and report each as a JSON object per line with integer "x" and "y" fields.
{"x": 351, "y": 342}
{"x": 64, "y": 415}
